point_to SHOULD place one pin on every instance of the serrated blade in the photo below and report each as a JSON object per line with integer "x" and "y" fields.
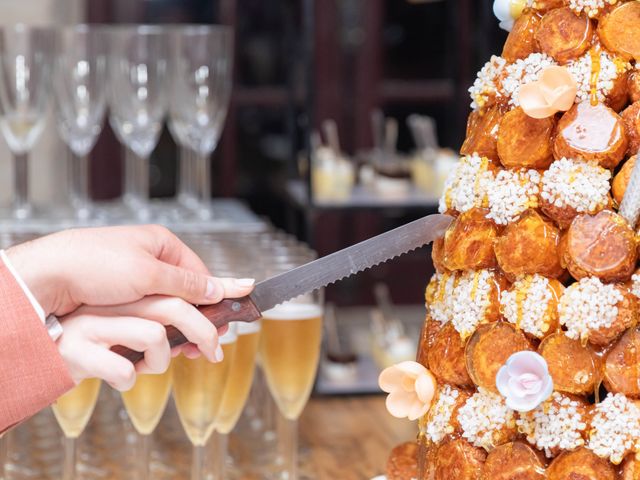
{"x": 344, "y": 263}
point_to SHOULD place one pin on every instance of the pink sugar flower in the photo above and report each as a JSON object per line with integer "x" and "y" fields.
{"x": 524, "y": 381}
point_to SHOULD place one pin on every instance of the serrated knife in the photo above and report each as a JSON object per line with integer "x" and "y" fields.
{"x": 314, "y": 275}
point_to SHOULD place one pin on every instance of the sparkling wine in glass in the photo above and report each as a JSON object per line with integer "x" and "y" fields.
{"x": 80, "y": 84}
{"x": 201, "y": 77}
{"x": 26, "y": 58}
{"x": 290, "y": 352}
{"x": 73, "y": 411}
{"x": 145, "y": 404}
{"x": 138, "y": 96}
{"x": 236, "y": 392}
{"x": 198, "y": 389}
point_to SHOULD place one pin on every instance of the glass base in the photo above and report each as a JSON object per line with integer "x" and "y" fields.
{"x": 227, "y": 215}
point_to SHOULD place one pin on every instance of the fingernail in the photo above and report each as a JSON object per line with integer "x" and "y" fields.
{"x": 219, "y": 355}
{"x": 212, "y": 288}
{"x": 245, "y": 282}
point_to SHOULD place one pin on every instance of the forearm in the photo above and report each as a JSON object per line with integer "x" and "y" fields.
{"x": 32, "y": 372}
{"x": 36, "y": 267}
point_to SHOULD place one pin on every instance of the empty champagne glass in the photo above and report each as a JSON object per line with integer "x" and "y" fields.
{"x": 198, "y": 388}
{"x": 138, "y": 68}
{"x": 290, "y": 352}
{"x": 201, "y": 73}
{"x": 73, "y": 411}
{"x": 80, "y": 85}
{"x": 145, "y": 404}
{"x": 26, "y": 56}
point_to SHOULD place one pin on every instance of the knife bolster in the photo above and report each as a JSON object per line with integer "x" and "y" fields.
{"x": 231, "y": 310}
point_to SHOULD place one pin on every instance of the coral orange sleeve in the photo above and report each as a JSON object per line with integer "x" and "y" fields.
{"x": 32, "y": 372}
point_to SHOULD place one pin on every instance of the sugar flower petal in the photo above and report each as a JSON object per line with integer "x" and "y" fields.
{"x": 555, "y": 91}
{"x": 524, "y": 381}
{"x": 411, "y": 388}
{"x": 502, "y": 381}
{"x": 425, "y": 387}
{"x": 399, "y": 403}
{"x": 507, "y": 11}
{"x": 533, "y": 101}
{"x": 417, "y": 410}
{"x": 522, "y": 404}
{"x": 527, "y": 362}
{"x": 411, "y": 368}
{"x": 390, "y": 379}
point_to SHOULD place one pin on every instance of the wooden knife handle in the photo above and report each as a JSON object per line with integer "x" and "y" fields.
{"x": 229, "y": 310}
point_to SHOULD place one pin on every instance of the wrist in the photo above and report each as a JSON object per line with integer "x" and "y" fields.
{"x": 31, "y": 263}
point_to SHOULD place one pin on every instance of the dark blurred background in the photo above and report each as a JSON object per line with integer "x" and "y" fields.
{"x": 299, "y": 62}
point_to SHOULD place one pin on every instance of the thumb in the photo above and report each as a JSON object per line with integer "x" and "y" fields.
{"x": 180, "y": 282}
{"x": 236, "y": 287}
{"x": 195, "y": 287}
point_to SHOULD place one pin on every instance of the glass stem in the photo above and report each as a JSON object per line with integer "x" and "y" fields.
{"x": 219, "y": 445}
{"x": 184, "y": 190}
{"x": 136, "y": 193}
{"x": 288, "y": 447}
{"x": 197, "y": 463}
{"x": 144, "y": 456}
{"x": 21, "y": 206}
{"x": 203, "y": 176}
{"x": 70, "y": 459}
{"x": 81, "y": 186}
{"x": 270, "y": 414}
{"x": 129, "y": 175}
{"x": 191, "y": 181}
{"x": 72, "y": 181}
{"x": 142, "y": 180}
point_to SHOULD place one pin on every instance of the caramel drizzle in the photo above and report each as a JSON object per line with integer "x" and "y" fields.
{"x": 484, "y": 164}
{"x": 595, "y": 74}
{"x": 442, "y": 286}
{"x": 447, "y": 197}
{"x": 521, "y": 296}
{"x": 584, "y": 339}
{"x": 474, "y": 287}
{"x": 549, "y": 314}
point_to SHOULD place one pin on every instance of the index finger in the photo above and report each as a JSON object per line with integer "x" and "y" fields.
{"x": 171, "y": 311}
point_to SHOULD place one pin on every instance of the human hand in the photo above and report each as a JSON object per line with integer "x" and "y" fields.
{"x": 116, "y": 265}
{"x": 90, "y": 332}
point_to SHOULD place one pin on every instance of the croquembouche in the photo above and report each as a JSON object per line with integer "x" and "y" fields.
{"x": 529, "y": 359}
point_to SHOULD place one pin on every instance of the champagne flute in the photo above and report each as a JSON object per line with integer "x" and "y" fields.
{"x": 137, "y": 66}
{"x": 73, "y": 411}
{"x": 79, "y": 82}
{"x": 26, "y": 56}
{"x": 198, "y": 388}
{"x": 145, "y": 404}
{"x": 236, "y": 392}
{"x": 290, "y": 353}
{"x": 201, "y": 70}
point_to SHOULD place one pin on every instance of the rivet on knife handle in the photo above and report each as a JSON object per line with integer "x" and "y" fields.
{"x": 220, "y": 314}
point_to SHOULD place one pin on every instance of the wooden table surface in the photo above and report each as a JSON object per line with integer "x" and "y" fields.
{"x": 341, "y": 438}
{"x": 349, "y": 438}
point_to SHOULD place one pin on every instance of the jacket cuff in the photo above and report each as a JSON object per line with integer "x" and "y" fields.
{"x": 32, "y": 372}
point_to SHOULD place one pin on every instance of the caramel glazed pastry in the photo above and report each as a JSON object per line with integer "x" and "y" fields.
{"x": 538, "y": 259}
